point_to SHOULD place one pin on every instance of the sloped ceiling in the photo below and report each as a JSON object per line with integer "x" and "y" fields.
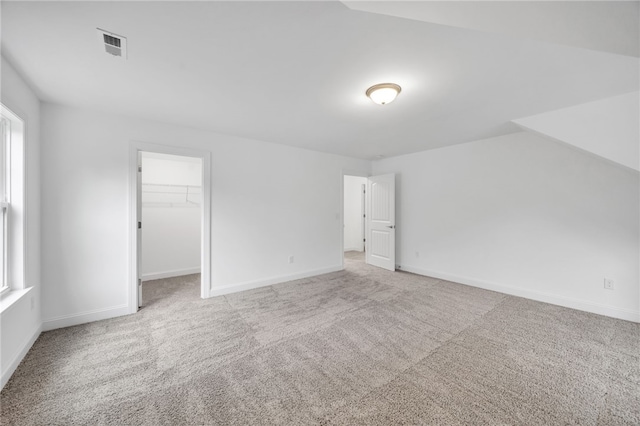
{"x": 295, "y": 73}
{"x": 609, "y": 128}
{"x": 607, "y": 26}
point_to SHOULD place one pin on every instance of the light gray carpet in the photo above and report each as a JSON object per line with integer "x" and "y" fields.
{"x": 362, "y": 346}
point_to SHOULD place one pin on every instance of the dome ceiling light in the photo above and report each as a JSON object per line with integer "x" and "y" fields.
{"x": 383, "y": 93}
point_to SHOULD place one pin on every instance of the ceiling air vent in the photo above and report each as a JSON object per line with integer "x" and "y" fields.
{"x": 113, "y": 43}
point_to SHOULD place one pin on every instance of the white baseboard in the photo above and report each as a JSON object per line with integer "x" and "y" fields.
{"x": 353, "y": 249}
{"x": 554, "y": 299}
{"x": 85, "y": 317}
{"x": 29, "y": 341}
{"x": 249, "y": 285}
{"x": 169, "y": 274}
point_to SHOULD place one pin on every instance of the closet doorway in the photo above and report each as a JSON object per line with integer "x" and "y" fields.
{"x": 171, "y": 201}
{"x": 170, "y": 224}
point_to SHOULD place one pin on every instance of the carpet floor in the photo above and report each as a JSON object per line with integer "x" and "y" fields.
{"x": 358, "y": 347}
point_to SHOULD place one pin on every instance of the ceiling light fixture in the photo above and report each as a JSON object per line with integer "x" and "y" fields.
{"x": 383, "y": 93}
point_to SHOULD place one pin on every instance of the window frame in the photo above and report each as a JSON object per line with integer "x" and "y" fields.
{"x": 5, "y": 198}
{"x": 13, "y": 196}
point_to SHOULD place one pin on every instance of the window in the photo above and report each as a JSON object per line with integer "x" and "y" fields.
{"x": 12, "y": 201}
{"x": 5, "y": 169}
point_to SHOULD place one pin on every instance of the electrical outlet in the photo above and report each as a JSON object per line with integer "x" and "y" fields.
{"x": 290, "y": 259}
{"x": 417, "y": 254}
{"x": 609, "y": 283}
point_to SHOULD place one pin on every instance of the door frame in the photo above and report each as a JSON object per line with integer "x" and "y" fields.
{"x": 135, "y": 147}
{"x": 344, "y": 173}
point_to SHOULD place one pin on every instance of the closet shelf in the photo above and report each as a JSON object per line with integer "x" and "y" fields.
{"x": 159, "y": 195}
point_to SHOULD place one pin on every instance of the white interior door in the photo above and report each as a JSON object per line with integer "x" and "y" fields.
{"x": 381, "y": 221}
{"x": 139, "y": 228}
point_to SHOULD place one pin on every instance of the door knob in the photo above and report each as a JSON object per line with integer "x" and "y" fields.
{"x": 391, "y": 226}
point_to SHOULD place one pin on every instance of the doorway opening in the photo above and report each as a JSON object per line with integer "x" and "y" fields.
{"x": 171, "y": 201}
{"x": 170, "y": 223}
{"x": 369, "y": 227}
{"x": 354, "y": 215}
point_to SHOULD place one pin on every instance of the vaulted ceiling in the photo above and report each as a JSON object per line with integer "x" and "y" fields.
{"x": 295, "y": 72}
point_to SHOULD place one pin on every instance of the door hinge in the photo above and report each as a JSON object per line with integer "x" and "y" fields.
{"x": 139, "y": 225}
{"x": 140, "y": 169}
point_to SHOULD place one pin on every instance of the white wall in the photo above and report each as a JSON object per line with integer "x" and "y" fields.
{"x": 20, "y": 323}
{"x": 171, "y": 169}
{"x": 524, "y": 215}
{"x": 609, "y": 127}
{"x": 170, "y": 227}
{"x": 353, "y": 210}
{"x": 268, "y": 202}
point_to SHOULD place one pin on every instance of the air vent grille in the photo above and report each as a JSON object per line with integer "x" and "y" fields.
{"x": 112, "y": 43}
